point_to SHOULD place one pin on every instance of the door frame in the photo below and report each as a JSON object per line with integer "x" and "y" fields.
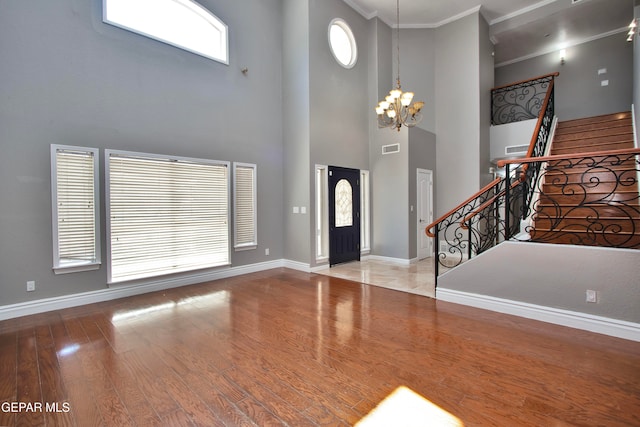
{"x": 429, "y": 216}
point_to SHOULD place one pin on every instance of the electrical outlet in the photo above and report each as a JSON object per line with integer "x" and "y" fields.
{"x": 266, "y": 251}
{"x": 31, "y": 286}
{"x": 592, "y": 296}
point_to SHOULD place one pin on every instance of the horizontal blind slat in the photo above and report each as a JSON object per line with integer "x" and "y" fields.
{"x": 166, "y": 216}
{"x": 245, "y": 215}
{"x": 75, "y": 196}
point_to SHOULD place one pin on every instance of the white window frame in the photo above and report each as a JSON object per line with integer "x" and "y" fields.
{"x": 322, "y": 212}
{"x": 365, "y": 212}
{"x": 61, "y": 266}
{"x": 351, "y": 39}
{"x": 113, "y": 14}
{"x": 236, "y": 209}
{"x": 108, "y": 155}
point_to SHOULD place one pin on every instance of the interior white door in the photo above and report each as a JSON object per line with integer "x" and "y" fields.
{"x": 425, "y": 212}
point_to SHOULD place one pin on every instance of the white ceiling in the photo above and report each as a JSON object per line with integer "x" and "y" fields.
{"x": 432, "y": 13}
{"x": 519, "y": 28}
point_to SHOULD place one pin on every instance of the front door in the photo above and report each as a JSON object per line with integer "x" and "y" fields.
{"x": 344, "y": 215}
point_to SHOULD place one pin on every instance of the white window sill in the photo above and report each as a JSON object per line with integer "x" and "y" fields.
{"x": 74, "y": 268}
{"x": 247, "y": 247}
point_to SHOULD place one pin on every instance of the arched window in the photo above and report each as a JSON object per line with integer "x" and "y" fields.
{"x": 344, "y": 204}
{"x": 181, "y": 23}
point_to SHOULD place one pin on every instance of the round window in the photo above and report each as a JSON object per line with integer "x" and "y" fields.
{"x": 342, "y": 43}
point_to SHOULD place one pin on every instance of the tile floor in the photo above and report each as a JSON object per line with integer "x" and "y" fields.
{"x": 417, "y": 278}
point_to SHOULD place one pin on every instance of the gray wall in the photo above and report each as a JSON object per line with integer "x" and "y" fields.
{"x": 422, "y": 155}
{"x": 389, "y": 179}
{"x": 68, "y": 78}
{"x": 296, "y": 125}
{"x": 458, "y": 111}
{"x": 578, "y": 91}
{"x": 417, "y": 70}
{"x": 388, "y": 173}
{"x": 555, "y": 276}
{"x": 486, "y": 73}
{"x": 340, "y": 107}
{"x": 390, "y": 202}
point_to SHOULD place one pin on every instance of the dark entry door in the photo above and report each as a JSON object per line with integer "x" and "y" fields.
{"x": 344, "y": 215}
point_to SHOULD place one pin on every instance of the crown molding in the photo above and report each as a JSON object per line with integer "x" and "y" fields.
{"x": 361, "y": 11}
{"x": 521, "y": 11}
{"x": 555, "y": 49}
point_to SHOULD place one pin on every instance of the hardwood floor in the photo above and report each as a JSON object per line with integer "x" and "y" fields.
{"x": 282, "y": 347}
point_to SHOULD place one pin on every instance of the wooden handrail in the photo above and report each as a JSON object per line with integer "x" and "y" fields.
{"x": 463, "y": 223}
{"x": 502, "y": 163}
{"x": 482, "y": 190}
{"x": 556, "y": 74}
{"x": 543, "y": 109}
{"x": 529, "y": 151}
{"x": 528, "y": 160}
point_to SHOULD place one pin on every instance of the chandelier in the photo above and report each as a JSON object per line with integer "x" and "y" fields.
{"x": 396, "y": 109}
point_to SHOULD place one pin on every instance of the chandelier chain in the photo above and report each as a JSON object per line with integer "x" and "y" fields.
{"x": 398, "y": 37}
{"x": 397, "y": 109}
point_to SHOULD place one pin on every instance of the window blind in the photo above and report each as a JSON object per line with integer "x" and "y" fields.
{"x": 166, "y": 215}
{"x": 245, "y": 205}
{"x": 75, "y": 206}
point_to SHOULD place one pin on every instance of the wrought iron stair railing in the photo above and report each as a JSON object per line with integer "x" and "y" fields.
{"x": 588, "y": 199}
{"x": 489, "y": 216}
{"x": 520, "y": 101}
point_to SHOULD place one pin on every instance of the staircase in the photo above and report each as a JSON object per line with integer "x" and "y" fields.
{"x": 599, "y": 133}
{"x": 585, "y": 201}
{"x": 584, "y": 194}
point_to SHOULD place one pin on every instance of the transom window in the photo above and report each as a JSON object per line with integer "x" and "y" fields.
{"x": 342, "y": 43}
{"x": 181, "y": 23}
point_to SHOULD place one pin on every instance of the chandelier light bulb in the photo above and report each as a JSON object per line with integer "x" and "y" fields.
{"x": 395, "y": 93}
{"x": 406, "y": 98}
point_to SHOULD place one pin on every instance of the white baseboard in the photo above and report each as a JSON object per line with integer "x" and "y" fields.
{"x": 572, "y": 319}
{"x": 320, "y": 267}
{"x": 296, "y": 265}
{"x": 401, "y": 261}
{"x": 121, "y": 291}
